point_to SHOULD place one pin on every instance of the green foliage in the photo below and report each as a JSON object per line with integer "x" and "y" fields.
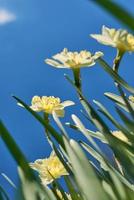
{"x": 98, "y": 178}
{"x": 117, "y": 11}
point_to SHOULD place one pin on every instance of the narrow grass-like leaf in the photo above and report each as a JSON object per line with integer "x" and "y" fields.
{"x": 15, "y": 151}
{"x": 117, "y": 11}
{"x": 118, "y": 100}
{"x": 108, "y": 189}
{"x": 75, "y": 195}
{"x": 131, "y": 111}
{"x": 32, "y": 191}
{"x": 103, "y": 110}
{"x": 3, "y": 194}
{"x": 58, "y": 122}
{"x": 82, "y": 128}
{"x": 58, "y": 186}
{"x": 118, "y": 187}
{"x": 115, "y": 76}
{"x": 93, "y": 134}
{"x": 128, "y": 123}
{"x": 87, "y": 181}
{"x": 23, "y": 164}
{"x": 96, "y": 155}
{"x": 8, "y": 180}
{"x": 51, "y": 130}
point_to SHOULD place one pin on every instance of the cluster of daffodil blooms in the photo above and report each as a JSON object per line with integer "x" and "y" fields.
{"x": 51, "y": 168}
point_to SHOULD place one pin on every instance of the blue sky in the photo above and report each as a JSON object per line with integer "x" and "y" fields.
{"x": 31, "y": 31}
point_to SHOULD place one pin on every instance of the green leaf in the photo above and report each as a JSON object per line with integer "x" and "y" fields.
{"x": 109, "y": 190}
{"x": 8, "y": 180}
{"x": 117, "y": 11}
{"x": 128, "y": 123}
{"x": 75, "y": 194}
{"x": 93, "y": 134}
{"x": 51, "y": 130}
{"x": 82, "y": 128}
{"x": 3, "y": 194}
{"x": 31, "y": 189}
{"x": 27, "y": 176}
{"x": 104, "y": 111}
{"x": 15, "y": 151}
{"x": 115, "y": 76}
{"x": 87, "y": 180}
{"x": 131, "y": 111}
{"x": 96, "y": 155}
{"x": 118, "y": 100}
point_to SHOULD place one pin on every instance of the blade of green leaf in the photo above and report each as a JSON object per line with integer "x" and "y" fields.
{"x": 3, "y": 194}
{"x": 96, "y": 155}
{"x": 86, "y": 179}
{"x": 9, "y": 180}
{"x": 118, "y": 100}
{"x": 104, "y": 111}
{"x": 115, "y": 76}
{"x": 22, "y": 162}
{"x": 75, "y": 195}
{"x": 51, "y": 130}
{"x": 117, "y": 11}
{"x": 93, "y": 134}
{"x": 15, "y": 151}
{"x": 82, "y": 128}
{"x": 31, "y": 189}
{"x": 128, "y": 105}
{"x": 128, "y": 123}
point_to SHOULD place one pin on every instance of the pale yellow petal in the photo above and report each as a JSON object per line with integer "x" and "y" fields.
{"x": 54, "y": 63}
{"x": 59, "y": 112}
{"x": 67, "y": 103}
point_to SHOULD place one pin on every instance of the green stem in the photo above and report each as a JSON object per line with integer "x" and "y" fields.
{"x": 46, "y": 119}
{"x": 117, "y": 60}
{"x": 77, "y": 78}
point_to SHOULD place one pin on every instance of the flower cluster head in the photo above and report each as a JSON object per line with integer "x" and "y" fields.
{"x": 49, "y": 168}
{"x": 49, "y": 105}
{"x": 120, "y": 136}
{"x": 73, "y": 60}
{"x": 119, "y": 39}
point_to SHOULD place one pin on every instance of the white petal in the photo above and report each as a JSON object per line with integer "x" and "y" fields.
{"x": 67, "y": 103}
{"x": 59, "y": 112}
{"x": 98, "y": 54}
{"x": 55, "y": 63}
{"x": 35, "y": 108}
{"x": 103, "y": 39}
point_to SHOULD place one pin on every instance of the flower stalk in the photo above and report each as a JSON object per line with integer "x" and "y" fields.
{"x": 117, "y": 60}
{"x": 77, "y": 78}
{"x": 46, "y": 119}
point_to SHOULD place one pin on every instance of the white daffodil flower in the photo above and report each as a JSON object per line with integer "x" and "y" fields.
{"x": 120, "y": 39}
{"x": 73, "y": 60}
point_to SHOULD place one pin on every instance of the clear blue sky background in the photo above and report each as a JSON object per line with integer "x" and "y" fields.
{"x": 41, "y": 29}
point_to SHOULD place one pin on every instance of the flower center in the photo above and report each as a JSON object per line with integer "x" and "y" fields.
{"x": 49, "y": 103}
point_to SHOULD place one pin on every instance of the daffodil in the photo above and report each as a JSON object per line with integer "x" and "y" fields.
{"x": 120, "y": 136}
{"x": 49, "y": 168}
{"x": 73, "y": 60}
{"x": 120, "y": 39}
{"x": 49, "y": 104}
{"x": 131, "y": 98}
